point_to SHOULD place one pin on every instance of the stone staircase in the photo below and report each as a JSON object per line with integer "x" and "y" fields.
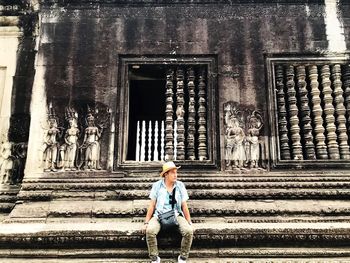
{"x": 8, "y": 198}
{"x": 97, "y": 217}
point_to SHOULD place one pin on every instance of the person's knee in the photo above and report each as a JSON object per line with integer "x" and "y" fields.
{"x": 151, "y": 232}
{"x": 188, "y": 232}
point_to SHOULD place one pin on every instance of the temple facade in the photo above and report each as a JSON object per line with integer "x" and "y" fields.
{"x": 251, "y": 98}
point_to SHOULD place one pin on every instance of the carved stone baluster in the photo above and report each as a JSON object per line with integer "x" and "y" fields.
{"x": 162, "y": 142}
{"x": 333, "y": 149}
{"x": 175, "y": 140}
{"x": 169, "y": 130}
{"x": 340, "y": 112}
{"x": 138, "y": 142}
{"x": 282, "y": 115}
{"x": 155, "y": 151}
{"x": 293, "y": 115}
{"x": 346, "y": 81}
{"x": 191, "y": 116}
{"x": 305, "y": 114}
{"x": 202, "y": 122}
{"x": 149, "y": 140}
{"x": 180, "y": 113}
{"x": 143, "y": 141}
{"x": 321, "y": 148}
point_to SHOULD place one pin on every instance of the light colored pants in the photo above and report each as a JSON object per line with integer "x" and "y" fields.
{"x": 153, "y": 229}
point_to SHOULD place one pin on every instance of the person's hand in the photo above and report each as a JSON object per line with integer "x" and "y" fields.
{"x": 193, "y": 228}
{"x": 144, "y": 228}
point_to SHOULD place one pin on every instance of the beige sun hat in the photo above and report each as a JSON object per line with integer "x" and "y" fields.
{"x": 168, "y": 166}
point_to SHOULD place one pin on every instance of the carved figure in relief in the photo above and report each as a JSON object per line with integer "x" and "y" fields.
{"x": 50, "y": 147}
{"x": 254, "y": 125}
{"x": 68, "y": 151}
{"x": 243, "y": 147}
{"x": 236, "y": 135}
{"x": 19, "y": 151}
{"x": 6, "y": 163}
{"x": 91, "y": 144}
{"x": 228, "y": 140}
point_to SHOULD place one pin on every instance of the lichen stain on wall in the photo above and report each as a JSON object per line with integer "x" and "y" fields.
{"x": 334, "y": 27}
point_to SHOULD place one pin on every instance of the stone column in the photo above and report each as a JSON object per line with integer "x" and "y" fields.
{"x": 9, "y": 40}
{"x": 340, "y": 112}
{"x": 305, "y": 114}
{"x": 293, "y": 115}
{"x": 282, "y": 114}
{"x": 38, "y": 113}
{"x": 321, "y": 148}
{"x": 333, "y": 148}
{"x": 169, "y": 121}
{"x": 346, "y": 81}
{"x": 191, "y": 116}
{"x": 180, "y": 113}
{"x": 202, "y": 121}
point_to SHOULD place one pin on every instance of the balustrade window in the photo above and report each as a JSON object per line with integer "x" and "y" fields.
{"x": 311, "y": 111}
{"x": 168, "y": 111}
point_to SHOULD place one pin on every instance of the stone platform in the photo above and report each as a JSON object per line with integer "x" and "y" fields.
{"x": 116, "y": 238}
{"x": 97, "y": 217}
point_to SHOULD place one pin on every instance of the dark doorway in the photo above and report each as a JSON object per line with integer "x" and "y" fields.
{"x": 146, "y": 103}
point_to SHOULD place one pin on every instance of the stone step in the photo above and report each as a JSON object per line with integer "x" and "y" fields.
{"x": 234, "y": 216}
{"x": 217, "y": 235}
{"x": 219, "y": 194}
{"x": 6, "y": 207}
{"x": 194, "y": 176}
{"x": 8, "y": 197}
{"x": 3, "y": 216}
{"x": 198, "y": 208}
{"x": 191, "y": 260}
{"x": 139, "y": 255}
{"x": 90, "y": 184}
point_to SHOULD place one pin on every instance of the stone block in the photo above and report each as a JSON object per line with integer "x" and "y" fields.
{"x": 30, "y": 210}
{"x": 112, "y": 208}
{"x": 70, "y": 208}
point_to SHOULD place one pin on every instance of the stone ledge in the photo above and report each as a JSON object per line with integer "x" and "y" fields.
{"x": 113, "y": 185}
{"x": 197, "y": 255}
{"x": 174, "y": 2}
{"x": 123, "y": 234}
{"x": 272, "y": 259}
{"x": 216, "y": 194}
{"x": 194, "y": 176}
{"x": 6, "y": 207}
{"x": 210, "y": 208}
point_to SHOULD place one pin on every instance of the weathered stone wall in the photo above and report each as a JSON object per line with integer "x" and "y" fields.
{"x": 344, "y": 15}
{"x": 19, "y": 16}
{"x": 80, "y": 43}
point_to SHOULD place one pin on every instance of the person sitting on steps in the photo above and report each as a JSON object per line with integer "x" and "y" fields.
{"x": 161, "y": 196}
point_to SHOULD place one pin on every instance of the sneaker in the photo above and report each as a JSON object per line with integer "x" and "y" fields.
{"x": 158, "y": 260}
{"x": 181, "y": 260}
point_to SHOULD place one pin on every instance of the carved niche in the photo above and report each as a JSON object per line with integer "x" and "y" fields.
{"x": 244, "y": 149}
{"x": 76, "y": 146}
